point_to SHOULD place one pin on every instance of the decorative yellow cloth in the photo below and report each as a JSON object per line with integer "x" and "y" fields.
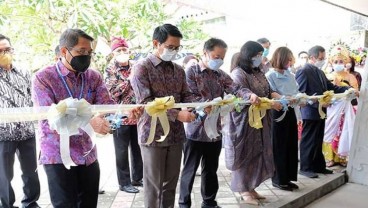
{"x": 325, "y": 99}
{"x": 157, "y": 110}
{"x": 257, "y": 111}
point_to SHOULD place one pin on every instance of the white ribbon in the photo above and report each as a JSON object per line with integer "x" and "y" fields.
{"x": 221, "y": 107}
{"x": 67, "y": 118}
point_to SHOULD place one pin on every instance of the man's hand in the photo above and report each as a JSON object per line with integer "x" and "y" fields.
{"x": 100, "y": 125}
{"x": 185, "y": 116}
{"x": 254, "y": 99}
{"x": 357, "y": 93}
{"x": 208, "y": 109}
{"x": 326, "y": 105}
{"x": 136, "y": 113}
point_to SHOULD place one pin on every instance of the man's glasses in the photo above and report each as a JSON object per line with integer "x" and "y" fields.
{"x": 83, "y": 52}
{"x": 173, "y": 48}
{"x": 7, "y": 50}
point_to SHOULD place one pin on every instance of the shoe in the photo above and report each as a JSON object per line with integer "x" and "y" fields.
{"x": 308, "y": 174}
{"x": 293, "y": 185}
{"x": 330, "y": 163}
{"x": 257, "y": 195}
{"x": 101, "y": 191}
{"x": 248, "y": 198}
{"x": 209, "y": 206}
{"x": 129, "y": 189}
{"x": 137, "y": 183}
{"x": 282, "y": 187}
{"x": 326, "y": 171}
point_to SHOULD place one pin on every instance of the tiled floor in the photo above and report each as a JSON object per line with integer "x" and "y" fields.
{"x": 118, "y": 199}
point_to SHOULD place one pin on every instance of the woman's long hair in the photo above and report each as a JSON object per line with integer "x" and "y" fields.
{"x": 249, "y": 50}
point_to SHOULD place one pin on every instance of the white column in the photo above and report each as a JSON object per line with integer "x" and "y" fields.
{"x": 358, "y": 160}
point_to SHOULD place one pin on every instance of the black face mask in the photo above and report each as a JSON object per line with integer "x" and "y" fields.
{"x": 80, "y": 63}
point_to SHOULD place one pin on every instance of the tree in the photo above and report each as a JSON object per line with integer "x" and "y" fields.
{"x": 35, "y": 25}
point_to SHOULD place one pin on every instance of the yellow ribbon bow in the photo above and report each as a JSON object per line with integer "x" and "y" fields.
{"x": 157, "y": 109}
{"x": 258, "y": 111}
{"x": 325, "y": 99}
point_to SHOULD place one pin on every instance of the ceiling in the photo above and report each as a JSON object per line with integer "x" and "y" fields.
{"x": 357, "y": 6}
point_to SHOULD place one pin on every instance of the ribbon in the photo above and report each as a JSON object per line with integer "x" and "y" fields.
{"x": 284, "y": 102}
{"x": 325, "y": 99}
{"x": 157, "y": 110}
{"x": 67, "y": 117}
{"x": 220, "y": 108}
{"x": 258, "y": 111}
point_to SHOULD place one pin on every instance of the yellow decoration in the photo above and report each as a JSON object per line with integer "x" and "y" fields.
{"x": 157, "y": 109}
{"x": 325, "y": 99}
{"x": 258, "y": 111}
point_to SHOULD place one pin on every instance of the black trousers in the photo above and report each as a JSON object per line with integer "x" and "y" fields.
{"x": 194, "y": 151}
{"x": 126, "y": 138}
{"x": 74, "y": 188}
{"x": 285, "y": 147}
{"x": 311, "y": 156}
{"x": 26, "y": 152}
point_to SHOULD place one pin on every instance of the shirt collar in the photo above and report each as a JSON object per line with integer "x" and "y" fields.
{"x": 284, "y": 75}
{"x": 154, "y": 59}
{"x": 63, "y": 70}
{"x": 202, "y": 67}
{"x": 119, "y": 67}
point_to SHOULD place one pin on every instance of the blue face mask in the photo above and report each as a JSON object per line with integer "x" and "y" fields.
{"x": 215, "y": 64}
{"x": 256, "y": 61}
{"x": 338, "y": 67}
{"x": 265, "y": 52}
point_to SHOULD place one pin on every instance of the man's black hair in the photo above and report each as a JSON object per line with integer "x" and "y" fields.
{"x": 162, "y": 32}
{"x": 211, "y": 43}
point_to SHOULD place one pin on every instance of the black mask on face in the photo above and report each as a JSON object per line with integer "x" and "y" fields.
{"x": 80, "y": 63}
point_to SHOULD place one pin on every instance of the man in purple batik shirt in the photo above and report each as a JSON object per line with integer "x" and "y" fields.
{"x": 70, "y": 77}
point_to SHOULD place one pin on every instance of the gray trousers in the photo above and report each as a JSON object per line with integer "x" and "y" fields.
{"x": 161, "y": 168}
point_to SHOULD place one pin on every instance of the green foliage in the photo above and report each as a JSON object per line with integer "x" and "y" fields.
{"x": 34, "y": 26}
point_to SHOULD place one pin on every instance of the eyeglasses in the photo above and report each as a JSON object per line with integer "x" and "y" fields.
{"x": 173, "y": 48}
{"x": 6, "y": 50}
{"x": 83, "y": 52}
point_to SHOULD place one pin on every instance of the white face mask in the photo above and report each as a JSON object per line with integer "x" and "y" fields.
{"x": 319, "y": 64}
{"x": 168, "y": 55}
{"x": 348, "y": 66}
{"x": 122, "y": 58}
{"x": 338, "y": 67}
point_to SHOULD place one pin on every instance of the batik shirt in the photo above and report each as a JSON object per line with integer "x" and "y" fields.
{"x": 15, "y": 92}
{"x": 153, "y": 78}
{"x": 48, "y": 88}
{"x": 118, "y": 84}
{"x": 206, "y": 85}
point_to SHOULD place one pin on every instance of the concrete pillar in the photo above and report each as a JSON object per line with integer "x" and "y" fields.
{"x": 358, "y": 159}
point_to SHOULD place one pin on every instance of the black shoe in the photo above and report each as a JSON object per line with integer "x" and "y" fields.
{"x": 308, "y": 174}
{"x": 137, "y": 183}
{"x": 101, "y": 191}
{"x": 293, "y": 185}
{"x": 282, "y": 187}
{"x": 326, "y": 171}
{"x": 129, "y": 189}
{"x": 204, "y": 205}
